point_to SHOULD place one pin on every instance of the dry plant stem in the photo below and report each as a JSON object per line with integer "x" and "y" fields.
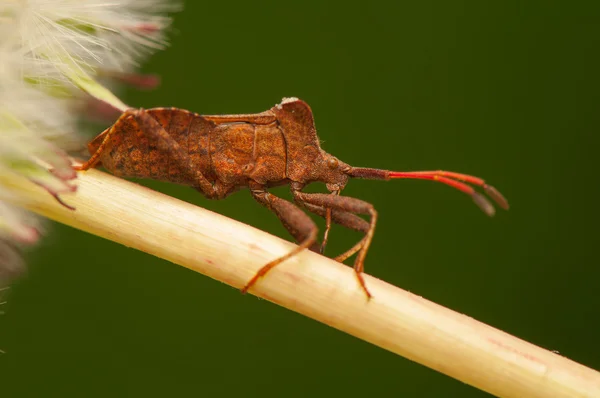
{"x": 315, "y": 286}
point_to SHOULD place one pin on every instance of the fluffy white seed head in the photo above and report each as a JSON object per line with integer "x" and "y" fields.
{"x": 88, "y": 34}
{"x": 51, "y": 50}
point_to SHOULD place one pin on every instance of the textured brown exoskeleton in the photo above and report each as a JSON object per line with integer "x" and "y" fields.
{"x": 217, "y": 155}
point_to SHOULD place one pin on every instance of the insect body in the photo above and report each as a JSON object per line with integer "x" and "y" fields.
{"x": 217, "y": 155}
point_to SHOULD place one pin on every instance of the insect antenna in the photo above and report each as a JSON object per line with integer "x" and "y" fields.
{"x": 456, "y": 180}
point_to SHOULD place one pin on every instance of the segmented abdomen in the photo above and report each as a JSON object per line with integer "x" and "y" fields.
{"x": 230, "y": 153}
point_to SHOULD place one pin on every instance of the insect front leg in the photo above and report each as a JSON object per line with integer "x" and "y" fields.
{"x": 298, "y": 223}
{"x": 327, "y": 217}
{"x": 326, "y": 213}
{"x": 327, "y": 229}
{"x": 343, "y": 218}
{"x": 346, "y": 205}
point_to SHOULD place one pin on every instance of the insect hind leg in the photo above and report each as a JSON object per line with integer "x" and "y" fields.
{"x": 94, "y": 160}
{"x": 167, "y": 144}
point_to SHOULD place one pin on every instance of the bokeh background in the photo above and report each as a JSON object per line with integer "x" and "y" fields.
{"x": 504, "y": 90}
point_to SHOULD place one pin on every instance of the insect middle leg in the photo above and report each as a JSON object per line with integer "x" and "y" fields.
{"x": 344, "y": 205}
{"x": 298, "y": 223}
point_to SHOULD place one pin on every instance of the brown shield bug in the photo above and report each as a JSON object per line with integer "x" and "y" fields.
{"x": 219, "y": 154}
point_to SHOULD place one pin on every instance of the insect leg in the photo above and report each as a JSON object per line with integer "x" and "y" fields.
{"x": 327, "y": 229}
{"x": 343, "y": 218}
{"x": 350, "y": 205}
{"x": 326, "y": 214}
{"x": 167, "y": 144}
{"x": 298, "y": 223}
{"x": 93, "y": 160}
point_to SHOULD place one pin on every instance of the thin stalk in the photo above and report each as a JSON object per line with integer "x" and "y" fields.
{"x": 313, "y": 285}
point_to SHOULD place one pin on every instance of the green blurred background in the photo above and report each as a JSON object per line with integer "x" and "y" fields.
{"x": 503, "y": 90}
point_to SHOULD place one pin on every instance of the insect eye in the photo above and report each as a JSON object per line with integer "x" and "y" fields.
{"x": 332, "y": 163}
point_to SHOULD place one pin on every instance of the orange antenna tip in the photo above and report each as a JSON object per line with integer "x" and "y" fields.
{"x": 484, "y": 204}
{"x": 496, "y": 196}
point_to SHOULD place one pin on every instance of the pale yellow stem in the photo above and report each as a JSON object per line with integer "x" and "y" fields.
{"x": 315, "y": 286}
